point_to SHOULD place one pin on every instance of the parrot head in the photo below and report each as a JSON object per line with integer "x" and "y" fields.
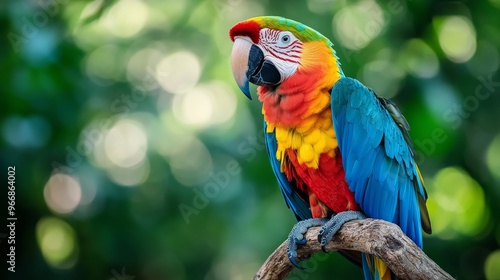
{"x": 268, "y": 50}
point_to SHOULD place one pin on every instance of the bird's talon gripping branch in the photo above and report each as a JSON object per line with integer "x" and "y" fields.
{"x": 296, "y": 237}
{"x": 331, "y": 227}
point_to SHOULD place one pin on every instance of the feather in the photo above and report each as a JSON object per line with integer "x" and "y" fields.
{"x": 295, "y": 199}
{"x": 377, "y": 156}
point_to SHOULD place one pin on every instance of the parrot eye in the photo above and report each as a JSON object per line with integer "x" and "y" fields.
{"x": 285, "y": 39}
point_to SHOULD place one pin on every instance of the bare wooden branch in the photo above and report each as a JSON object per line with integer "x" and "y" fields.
{"x": 377, "y": 237}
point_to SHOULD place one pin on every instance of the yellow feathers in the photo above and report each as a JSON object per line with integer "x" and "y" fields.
{"x": 313, "y": 136}
{"x": 381, "y": 269}
{"x": 283, "y": 135}
{"x": 378, "y": 267}
{"x": 307, "y": 154}
{"x": 309, "y": 144}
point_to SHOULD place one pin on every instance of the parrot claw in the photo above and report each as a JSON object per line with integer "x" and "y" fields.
{"x": 296, "y": 237}
{"x": 333, "y": 225}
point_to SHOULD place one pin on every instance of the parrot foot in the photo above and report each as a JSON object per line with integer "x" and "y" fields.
{"x": 333, "y": 225}
{"x": 296, "y": 237}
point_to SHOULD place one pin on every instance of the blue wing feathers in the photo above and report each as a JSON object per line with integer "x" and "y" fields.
{"x": 378, "y": 163}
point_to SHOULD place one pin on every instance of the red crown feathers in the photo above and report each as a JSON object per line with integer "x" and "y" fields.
{"x": 250, "y": 29}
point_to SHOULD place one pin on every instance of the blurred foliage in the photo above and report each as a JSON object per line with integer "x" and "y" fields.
{"x": 136, "y": 153}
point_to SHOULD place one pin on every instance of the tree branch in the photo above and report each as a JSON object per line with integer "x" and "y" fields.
{"x": 376, "y": 237}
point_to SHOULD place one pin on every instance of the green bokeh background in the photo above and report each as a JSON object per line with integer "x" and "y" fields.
{"x": 135, "y": 152}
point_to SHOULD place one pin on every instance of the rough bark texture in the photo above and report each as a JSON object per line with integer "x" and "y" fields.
{"x": 377, "y": 237}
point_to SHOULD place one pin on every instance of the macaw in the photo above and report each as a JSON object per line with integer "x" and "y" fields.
{"x": 336, "y": 148}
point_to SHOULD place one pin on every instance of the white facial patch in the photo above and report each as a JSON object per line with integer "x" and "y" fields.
{"x": 282, "y": 48}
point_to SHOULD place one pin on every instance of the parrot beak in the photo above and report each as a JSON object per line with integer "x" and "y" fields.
{"x": 248, "y": 64}
{"x": 239, "y": 63}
